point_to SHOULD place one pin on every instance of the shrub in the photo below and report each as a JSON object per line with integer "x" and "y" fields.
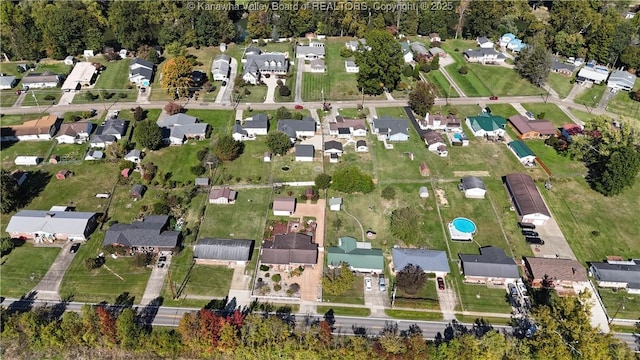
{"x": 49, "y": 97}
{"x": 142, "y": 259}
{"x": 463, "y": 70}
{"x": 197, "y": 170}
{"x": 93, "y": 263}
{"x": 388, "y": 193}
{"x": 172, "y": 108}
{"x": 276, "y": 278}
{"x": 345, "y": 52}
{"x": 122, "y": 95}
{"x": 407, "y": 70}
{"x": 294, "y": 288}
{"x": 277, "y": 287}
{"x": 284, "y": 90}
{"x": 267, "y": 275}
{"x": 264, "y": 268}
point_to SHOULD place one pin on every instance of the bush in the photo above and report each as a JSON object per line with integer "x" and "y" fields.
{"x": 388, "y": 193}
{"x": 284, "y": 90}
{"x": 93, "y": 263}
{"x": 197, "y": 170}
{"x": 122, "y": 95}
{"x": 276, "y": 278}
{"x": 463, "y": 70}
{"x": 294, "y": 288}
{"x": 201, "y": 154}
{"x": 172, "y": 108}
{"x": 142, "y": 259}
{"x": 49, "y": 97}
{"x": 277, "y": 287}
{"x": 160, "y": 208}
{"x": 345, "y": 52}
{"x": 264, "y": 268}
{"x": 267, "y": 275}
{"x": 407, "y": 70}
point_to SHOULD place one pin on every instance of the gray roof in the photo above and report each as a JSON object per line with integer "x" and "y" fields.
{"x": 222, "y": 58}
{"x": 292, "y": 248}
{"x": 46, "y": 76}
{"x": 113, "y": 127}
{"x": 98, "y": 139}
{"x": 258, "y": 121}
{"x": 481, "y": 52}
{"x": 483, "y": 39}
{"x": 237, "y": 129}
{"x": 202, "y": 181}
{"x": 138, "y": 189}
{"x": 133, "y": 153}
{"x": 419, "y": 48}
{"x": 332, "y": 144}
{"x": 252, "y": 50}
{"x": 223, "y": 249}
{"x": 472, "y": 182}
{"x": 304, "y": 150}
{"x": 618, "y": 272}
{"x": 624, "y": 78}
{"x": 557, "y": 66}
{"x": 60, "y": 222}
{"x": 142, "y": 62}
{"x": 428, "y": 260}
{"x": 391, "y": 126}
{"x": 525, "y": 195}
{"x": 143, "y": 71}
{"x": 291, "y": 127}
{"x": 7, "y": 80}
{"x": 95, "y": 154}
{"x": 152, "y": 231}
{"x": 351, "y": 63}
{"x": 267, "y": 62}
{"x": 177, "y": 119}
{"x": 492, "y": 262}
{"x": 220, "y": 67}
{"x": 361, "y": 143}
{"x": 182, "y": 125}
{"x": 312, "y": 50}
{"x": 335, "y": 201}
{"x": 435, "y": 51}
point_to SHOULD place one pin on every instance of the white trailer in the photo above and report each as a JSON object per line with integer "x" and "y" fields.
{"x": 27, "y": 160}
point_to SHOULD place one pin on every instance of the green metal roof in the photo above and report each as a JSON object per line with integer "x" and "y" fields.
{"x": 521, "y": 149}
{"x": 357, "y": 258}
{"x": 487, "y": 122}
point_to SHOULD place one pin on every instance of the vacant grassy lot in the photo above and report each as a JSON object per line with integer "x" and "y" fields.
{"x": 220, "y": 120}
{"x": 249, "y": 167}
{"x": 19, "y": 273}
{"x": 394, "y": 112}
{"x": 101, "y": 284}
{"x": 176, "y": 161}
{"x": 409, "y": 83}
{"x": 285, "y": 168}
{"x": 589, "y": 219}
{"x": 413, "y": 315}
{"x": 352, "y": 113}
{"x": 24, "y": 148}
{"x": 8, "y": 98}
{"x": 551, "y": 112}
{"x": 622, "y": 103}
{"x": 626, "y": 305}
{"x": 114, "y": 76}
{"x": 445, "y": 90}
{"x": 504, "y": 110}
{"x": 362, "y": 160}
{"x": 502, "y": 81}
{"x": 42, "y": 98}
{"x": 560, "y": 83}
{"x": 103, "y": 98}
{"x": 425, "y": 298}
{"x": 581, "y": 115}
{"x": 125, "y": 209}
{"x": 243, "y": 220}
{"x": 313, "y": 86}
{"x": 469, "y": 83}
{"x": 209, "y": 280}
{"x": 591, "y": 96}
{"x": 389, "y": 163}
{"x": 344, "y": 311}
{"x": 560, "y": 166}
{"x": 355, "y": 295}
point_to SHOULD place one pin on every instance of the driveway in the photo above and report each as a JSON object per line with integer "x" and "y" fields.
{"x": 239, "y": 289}
{"x": 224, "y": 95}
{"x": 49, "y": 286}
{"x": 66, "y": 98}
{"x": 299, "y": 71}
{"x": 555, "y": 244}
{"x": 156, "y": 281}
{"x": 311, "y": 278}
{"x": 272, "y": 85}
{"x": 143, "y": 96}
{"x": 447, "y": 301}
{"x": 375, "y": 299}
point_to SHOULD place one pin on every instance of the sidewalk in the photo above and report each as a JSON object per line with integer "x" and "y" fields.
{"x": 450, "y": 80}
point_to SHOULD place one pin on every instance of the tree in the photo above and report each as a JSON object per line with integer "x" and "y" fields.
{"x": 139, "y": 114}
{"x": 422, "y": 98}
{"x": 130, "y": 22}
{"x": 283, "y": 113}
{"x": 9, "y": 190}
{"x": 227, "y": 149}
{"x": 160, "y": 208}
{"x": 534, "y": 63}
{"x": 388, "y": 193}
{"x": 618, "y": 171}
{"x": 435, "y": 63}
{"x": 338, "y": 280}
{"x": 107, "y": 325}
{"x": 283, "y": 90}
{"x": 148, "y": 135}
{"x": 278, "y": 142}
{"x": 403, "y": 223}
{"x": 631, "y": 57}
{"x": 176, "y": 49}
{"x": 323, "y": 181}
{"x": 411, "y": 279}
{"x": 172, "y": 108}
{"x": 148, "y": 53}
{"x": 176, "y": 76}
{"x": 128, "y": 329}
{"x": 380, "y": 67}
{"x": 350, "y": 179}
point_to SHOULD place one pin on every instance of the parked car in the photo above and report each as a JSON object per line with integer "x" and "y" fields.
{"x": 74, "y": 248}
{"x": 162, "y": 259}
{"x": 487, "y": 110}
{"x": 367, "y": 283}
{"x": 534, "y": 240}
{"x": 530, "y": 115}
{"x": 160, "y": 265}
{"x": 530, "y": 233}
{"x": 513, "y": 290}
{"x": 526, "y": 226}
{"x": 381, "y": 283}
{"x": 440, "y": 283}
{"x": 224, "y": 83}
{"x": 299, "y": 107}
{"x": 493, "y": 98}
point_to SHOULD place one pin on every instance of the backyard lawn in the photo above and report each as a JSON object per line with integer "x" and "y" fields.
{"x": 285, "y": 168}
{"x": 620, "y": 304}
{"x": 176, "y": 161}
{"x": 115, "y": 76}
{"x": 24, "y": 148}
{"x": 560, "y": 166}
{"x": 248, "y": 167}
{"x": 355, "y": 295}
{"x": 19, "y": 273}
{"x": 622, "y": 103}
{"x": 551, "y": 112}
{"x": 591, "y": 97}
{"x": 445, "y": 90}
{"x": 560, "y": 83}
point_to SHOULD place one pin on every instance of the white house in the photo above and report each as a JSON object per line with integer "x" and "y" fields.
{"x": 74, "y": 133}
{"x": 141, "y": 72}
{"x": 46, "y": 79}
{"x": 486, "y": 125}
{"x": 221, "y": 67}
{"x": 423, "y": 192}
{"x": 621, "y": 80}
{"x": 298, "y": 129}
{"x": 526, "y": 199}
{"x": 27, "y": 160}
{"x": 485, "y": 43}
{"x": 351, "y": 67}
{"x": 266, "y": 157}
{"x": 69, "y": 60}
{"x": 435, "y": 142}
{"x": 304, "y": 153}
{"x": 440, "y": 122}
{"x": 7, "y": 82}
{"x": 347, "y": 128}
{"x": 407, "y": 54}
{"x": 391, "y": 129}
{"x": 82, "y": 75}
{"x": 264, "y": 63}
{"x": 176, "y": 129}
{"x": 473, "y": 187}
{"x": 335, "y": 203}
{"x": 618, "y": 274}
{"x": 134, "y": 156}
{"x": 483, "y": 56}
{"x": 256, "y": 125}
{"x": 333, "y": 147}
{"x": 506, "y": 39}
{"x": 315, "y": 50}
{"x": 522, "y": 152}
{"x": 284, "y": 206}
{"x": 317, "y": 66}
{"x": 361, "y": 146}
{"x": 435, "y": 37}
{"x": 240, "y": 134}
{"x": 355, "y": 45}
{"x": 596, "y": 74}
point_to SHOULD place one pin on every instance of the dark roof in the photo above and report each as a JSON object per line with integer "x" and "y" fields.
{"x": 73, "y": 129}
{"x": 624, "y": 271}
{"x": 290, "y": 127}
{"x": 361, "y": 143}
{"x": 523, "y": 125}
{"x": 391, "y": 126}
{"x": 46, "y": 76}
{"x": 525, "y": 194}
{"x": 432, "y": 137}
{"x": 223, "y": 249}
{"x": 222, "y": 193}
{"x": 492, "y": 262}
{"x": 102, "y": 139}
{"x": 143, "y": 71}
{"x": 138, "y": 189}
{"x": 332, "y": 144}
{"x": 152, "y": 231}
{"x": 555, "y": 269}
{"x": 559, "y": 66}
{"x": 292, "y": 248}
{"x": 258, "y": 121}
{"x": 304, "y": 150}
{"x": 113, "y": 127}
{"x": 472, "y": 182}
{"x": 142, "y": 62}
{"x": 428, "y": 260}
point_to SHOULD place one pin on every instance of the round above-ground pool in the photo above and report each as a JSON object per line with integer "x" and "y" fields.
{"x": 462, "y": 229}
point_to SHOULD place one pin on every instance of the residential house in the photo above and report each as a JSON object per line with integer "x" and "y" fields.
{"x": 554, "y": 272}
{"x": 101, "y": 141}
{"x": 39, "y": 129}
{"x": 360, "y": 256}
{"x": 390, "y": 129}
{"x": 435, "y": 37}
{"x": 483, "y": 56}
{"x": 22, "y": 160}
{"x": 134, "y": 156}
{"x": 250, "y": 51}
{"x": 407, "y": 54}
{"x": 358, "y": 45}
{"x": 347, "y": 128}
{"x": 351, "y": 67}
{"x": 176, "y": 129}
{"x": 94, "y": 155}
{"x": 430, "y": 261}
{"x": 621, "y": 80}
{"x": 423, "y": 192}
{"x": 284, "y": 206}
{"x": 289, "y": 249}
{"x": 137, "y": 191}
{"x": 298, "y": 129}
{"x": 526, "y": 199}
{"x": 419, "y": 49}
{"x": 7, "y": 82}
{"x": 361, "y": 146}
{"x": 74, "y": 133}
{"x": 531, "y": 129}
{"x": 239, "y": 133}
{"x": 522, "y": 152}
{"x": 82, "y": 75}
{"x": 152, "y": 234}
{"x": 491, "y": 266}
{"x": 506, "y": 39}
{"x": 46, "y": 79}
{"x": 486, "y": 125}
{"x": 209, "y": 251}
{"x": 516, "y": 45}
{"x": 315, "y": 50}
{"x": 112, "y": 131}
{"x": 473, "y": 187}
{"x": 141, "y": 72}
{"x": 257, "y": 125}
{"x": 304, "y": 153}
{"x": 317, "y": 66}
{"x": 596, "y": 74}
{"x": 335, "y": 203}
{"x": 435, "y": 142}
{"x": 266, "y": 63}
{"x": 485, "y": 43}
{"x": 42, "y": 225}
{"x": 222, "y": 196}
{"x": 69, "y": 60}
{"x": 19, "y": 176}
{"x": 436, "y": 51}
{"x": 201, "y": 182}
{"x": 221, "y": 67}
{"x": 562, "y": 68}
{"x": 617, "y": 274}
{"x": 333, "y": 147}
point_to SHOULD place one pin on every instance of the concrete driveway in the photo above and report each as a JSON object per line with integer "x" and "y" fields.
{"x": 311, "y": 278}
{"x": 447, "y": 301}
{"x": 299, "y": 71}
{"x": 49, "y": 286}
{"x": 224, "y": 95}
{"x": 156, "y": 281}
{"x": 272, "y": 85}
{"x": 375, "y": 299}
{"x": 66, "y": 98}
{"x": 555, "y": 244}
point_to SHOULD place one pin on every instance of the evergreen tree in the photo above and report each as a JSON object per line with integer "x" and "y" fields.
{"x": 534, "y": 63}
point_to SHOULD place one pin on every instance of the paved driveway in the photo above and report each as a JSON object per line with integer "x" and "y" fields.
{"x": 311, "y": 278}
{"x": 299, "y": 71}
{"x": 224, "y": 95}
{"x": 375, "y": 299}
{"x": 155, "y": 282}
{"x": 49, "y": 286}
{"x": 272, "y": 85}
{"x": 446, "y": 299}
{"x": 555, "y": 244}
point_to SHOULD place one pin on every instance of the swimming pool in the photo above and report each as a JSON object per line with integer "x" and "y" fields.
{"x": 457, "y": 136}
{"x": 464, "y": 225}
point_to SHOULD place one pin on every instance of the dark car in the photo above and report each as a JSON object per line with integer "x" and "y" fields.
{"x": 493, "y": 98}
{"x": 440, "y": 283}
{"x": 487, "y": 110}
{"x": 162, "y": 258}
{"x": 526, "y": 226}
{"x": 74, "y": 248}
{"x": 299, "y": 107}
{"x": 534, "y": 240}
{"x": 530, "y": 233}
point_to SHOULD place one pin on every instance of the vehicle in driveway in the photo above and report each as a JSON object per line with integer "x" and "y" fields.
{"x": 299, "y": 107}
{"x": 526, "y": 226}
{"x": 513, "y": 290}
{"x": 530, "y": 233}
{"x": 74, "y": 248}
{"x": 162, "y": 259}
{"x": 382, "y": 283}
{"x": 440, "y": 283}
{"x": 367, "y": 284}
{"x": 530, "y": 115}
{"x": 534, "y": 240}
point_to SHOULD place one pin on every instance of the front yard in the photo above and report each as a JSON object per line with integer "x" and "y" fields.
{"x": 355, "y": 295}
{"x": 560, "y": 83}
{"x": 19, "y": 273}
{"x": 551, "y": 112}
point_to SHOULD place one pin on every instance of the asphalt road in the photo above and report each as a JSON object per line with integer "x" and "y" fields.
{"x": 343, "y": 325}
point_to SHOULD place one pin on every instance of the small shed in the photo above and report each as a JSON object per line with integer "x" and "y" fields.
{"x": 333, "y": 158}
{"x": 202, "y": 181}
{"x": 137, "y": 191}
{"x": 335, "y": 203}
{"x": 424, "y": 169}
{"x": 63, "y": 174}
{"x": 424, "y": 192}
{"x": 125, "y": 172}
{"x": 267, "y": 157}
{"x": 308, "y": 193}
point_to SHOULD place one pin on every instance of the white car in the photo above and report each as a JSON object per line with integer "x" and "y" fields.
{"x": 367, "y": 283}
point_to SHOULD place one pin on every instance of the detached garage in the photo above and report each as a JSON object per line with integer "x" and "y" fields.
{"x": 526, "y": 199}
{"x": 226, "y": 251}
{"x": 473, "y": 187}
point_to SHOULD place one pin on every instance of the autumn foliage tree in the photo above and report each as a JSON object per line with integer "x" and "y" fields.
{"x": 411, "y": 279}
{"x": 228, "y": 149}
{"x": 422, "y": 98}
{"x": 108, "y": 325}
{"x": 172, "y": 108}
{"x": 176, "y": 76}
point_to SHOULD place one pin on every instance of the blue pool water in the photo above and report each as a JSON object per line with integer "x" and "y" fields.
{"x": 457, "y": 136}
{"x": 464, "y": 225}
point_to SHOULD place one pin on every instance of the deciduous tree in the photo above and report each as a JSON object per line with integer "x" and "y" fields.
{"x": 176, "y": 76}
{"x": 350, "y": 179}
{"x": 411, "y": 279}
{"x": 172, "y": 108}
{"x": 148, "y": 135}
{"x": 128, "y": 329}
{"x": 278, "y": 142}
{"x": 338, "y": 280}
{"x": 9, "y": 190}
{"x": 388, "y": 193}
{"x": 323, "y": 181}
{"x": 380, "y": 67}
{"x": 403, "y": 225}
{"x": 534, "y": 63}
{"x": 227, "y": 149}
{"x": 422, "y": 98}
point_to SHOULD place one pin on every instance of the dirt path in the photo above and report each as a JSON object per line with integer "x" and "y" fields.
{"x": 312, "y": 276}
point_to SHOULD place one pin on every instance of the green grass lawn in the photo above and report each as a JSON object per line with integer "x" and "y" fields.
{"x": 220, "y": 120}
{"x": 344, "y": 311}
{"x": 114, "y": 76}
{"x": 103, "y": 98}
{"x": 551, "y": 112}
{"x": 588, "y": 219}
{"x": 41, "y": 96}
{"x": 257, "y": 94}
{"x": 622, "y": 103}
{"x": 8, "y": 98}
{"x": 24, "y": 148}
{"x": 389, "y": 163}
{"x": 209, "y": 280}
{"x": 19, "y": 273}
{"x": 469, "y": 83}
{"x": 394, "y": 112}
{"x": 124, "y": 209}
{"x": 504, "y": 110}
{"x": 54, "y": 66}
{"x": 249, "y": 167}
{"x": 355, "y": 295}
{"x": 445, "y": 90}
{"x": 362, "y": 160}
{"x": 70, "y": 152}
{"x": 591, "y": 96}
{"x": 243, "y": 220}
{"x": 465, "y": 319}
{"x": 503, "y": 82}
{"x": 351, "y": 112}
{"x": 483, "y": 299}
{"x": 582, "y": 115}
{"x": 177, "y": 160}
{"x": 560, "y": 83}
{"x": 313, "y": 85}
{"x": 560, "y": 166}
{"x": 17, "y": 119}
{"x": 614, "y": 301}
{"x": 413, "y": 315}
{"x": 290, "y": 82}
{"x": 285, "y": 168}
{"x": 425, "y": 298}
